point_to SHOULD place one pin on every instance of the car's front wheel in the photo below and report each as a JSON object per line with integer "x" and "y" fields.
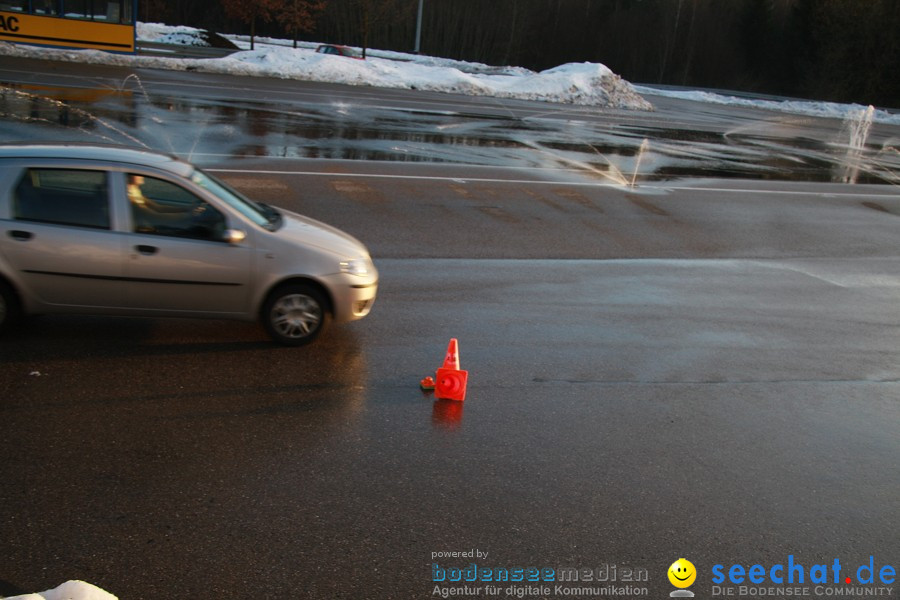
{"x": 295, "y": 314}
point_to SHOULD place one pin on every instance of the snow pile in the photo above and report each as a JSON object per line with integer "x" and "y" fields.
{"x": 582, "y": 83}
{"x": 585, "y": 84}
{"x": 167, "y": 34}
{"x": 70, "y": 590}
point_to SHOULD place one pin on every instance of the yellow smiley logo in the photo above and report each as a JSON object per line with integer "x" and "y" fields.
{"x": 682, "y": 573}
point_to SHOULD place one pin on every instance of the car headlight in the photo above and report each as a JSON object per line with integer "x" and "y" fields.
{"x": 355, "y": 266}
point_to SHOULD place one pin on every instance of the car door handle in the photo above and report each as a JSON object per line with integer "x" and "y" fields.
{"x": 146, "y": 250}
{"x": 22, "y": 236}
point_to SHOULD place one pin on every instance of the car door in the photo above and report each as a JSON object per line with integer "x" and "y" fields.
{"x": 59, "y": 238}
{"x": 178, "y": 260}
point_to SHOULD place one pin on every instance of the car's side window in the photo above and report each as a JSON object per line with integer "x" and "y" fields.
{"x": 160, "y": 207}
{"x": 75, "y": 197}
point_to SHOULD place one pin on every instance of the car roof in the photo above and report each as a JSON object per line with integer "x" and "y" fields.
{"x": 118, "y": 155}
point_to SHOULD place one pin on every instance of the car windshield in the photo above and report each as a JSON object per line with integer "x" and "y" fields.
{"x": 261, "y": 214}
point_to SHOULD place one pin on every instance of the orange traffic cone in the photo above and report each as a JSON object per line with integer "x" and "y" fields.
{"x": 451, "y": 360}
{"x": 450, "y": 382}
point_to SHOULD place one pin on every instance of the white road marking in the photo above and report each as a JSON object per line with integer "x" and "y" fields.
{"x": 639, "y": 188}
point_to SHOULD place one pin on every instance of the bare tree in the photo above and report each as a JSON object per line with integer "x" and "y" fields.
{"x": 374, "y": 13}
{"x": 249, "y": 12}
{"x": 297, "y": 16}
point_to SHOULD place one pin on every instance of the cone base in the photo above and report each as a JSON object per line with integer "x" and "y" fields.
{"x": 450, "y": 384}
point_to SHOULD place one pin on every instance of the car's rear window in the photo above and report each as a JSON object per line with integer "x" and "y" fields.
{"x": 77, "y": 197}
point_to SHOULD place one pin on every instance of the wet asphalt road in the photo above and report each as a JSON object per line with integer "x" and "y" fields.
{"x": 704, "y": 369}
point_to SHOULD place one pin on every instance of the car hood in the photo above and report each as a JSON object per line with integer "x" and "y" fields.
{"x": 309, "y": 232}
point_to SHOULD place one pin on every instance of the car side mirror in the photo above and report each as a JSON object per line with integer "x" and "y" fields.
{"x": 234, "y": 236}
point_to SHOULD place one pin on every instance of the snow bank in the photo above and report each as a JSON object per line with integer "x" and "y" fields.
{"x": 584, "y": 84}
{"x": 810, "y": 108}
{"x": 579, "y": 83}
{"x": 70, "y": 590}
{"x": 168, "y": 34}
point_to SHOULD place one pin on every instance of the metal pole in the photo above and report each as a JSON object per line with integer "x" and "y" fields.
{"x": 419, "y": 29}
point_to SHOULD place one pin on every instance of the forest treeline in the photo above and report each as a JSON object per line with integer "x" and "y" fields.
{"x": 840, "y": 50}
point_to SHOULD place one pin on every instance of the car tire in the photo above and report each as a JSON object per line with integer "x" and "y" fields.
{"x": 296, "y": 314}
{"x": 10, "y": 311}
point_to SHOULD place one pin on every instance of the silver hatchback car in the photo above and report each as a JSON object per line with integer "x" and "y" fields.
{"x": 119, "y": 231}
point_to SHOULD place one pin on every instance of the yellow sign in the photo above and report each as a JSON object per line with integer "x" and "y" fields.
{"x": 68, "y": 33}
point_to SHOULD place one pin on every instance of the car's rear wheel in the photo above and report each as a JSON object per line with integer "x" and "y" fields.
{"x": 9, "y": 306}
{"x": 295, "y": 314}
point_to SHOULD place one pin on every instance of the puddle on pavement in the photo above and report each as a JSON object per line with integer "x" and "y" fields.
{"x": 208, "y": 131}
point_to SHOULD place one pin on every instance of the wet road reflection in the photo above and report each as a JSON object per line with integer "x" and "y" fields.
{"x": 754, "y": 145}
{"x": 204, "y": 370}
{"x": 447, "y": 414}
